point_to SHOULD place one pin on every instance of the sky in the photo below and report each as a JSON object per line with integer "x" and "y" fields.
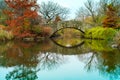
{"x": 73, "y": 5}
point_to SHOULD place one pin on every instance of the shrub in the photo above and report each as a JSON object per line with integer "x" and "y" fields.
{"x": 46, "y": 31}
{"x": 101, "y": 33}
{"x": 5, "y": 35}
{"x": 42, "y": 31}
{"x": 25, "y": 34}
{"x": 36, "y": 29}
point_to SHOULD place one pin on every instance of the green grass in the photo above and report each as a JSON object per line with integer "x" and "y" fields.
{"x": 100, "y": 33}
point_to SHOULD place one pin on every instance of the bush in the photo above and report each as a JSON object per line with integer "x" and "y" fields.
{"x": 25, "y": 34}
{"x": 43, "y": 30}
{"x": 101, "y": 33}
{"x": 5, "y": 35}
{"x": 46, "y": 31}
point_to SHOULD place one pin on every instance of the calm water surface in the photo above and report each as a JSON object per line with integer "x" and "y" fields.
{"x": 92, "y": 60}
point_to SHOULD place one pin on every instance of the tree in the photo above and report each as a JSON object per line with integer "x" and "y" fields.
{"x": 81, "y": 14}
{"x": 111, "y": 17}
{"x": 96, "y": 13}
{"x": 103, "y": 6}
{"x": 21, "y": 10}
{"x": 50, "y": 10}
{"x": 89, "y": 10}
{"x": 20, "y": 14}
{"x": 92, "y": 9}
{"x": 3, "y": 6}
{"x": 104, "y": 3}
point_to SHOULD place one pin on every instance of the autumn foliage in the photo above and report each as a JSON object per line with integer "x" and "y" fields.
{"x": 111, "y": 17}
{"x": 46, "y": 31}
{"x": 20, "y": 13}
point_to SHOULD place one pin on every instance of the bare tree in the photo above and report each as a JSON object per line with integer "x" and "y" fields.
{"x": 81, "y": 14}
{"x": 103, "y": 6}
{"x": 92, "y": 9}
{"x": 89, "y": 10}
{"x": 50, "y": 10}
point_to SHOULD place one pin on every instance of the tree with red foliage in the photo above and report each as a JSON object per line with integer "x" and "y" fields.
{"x": 111, "y": 17}
{"x": 20, "y": 14}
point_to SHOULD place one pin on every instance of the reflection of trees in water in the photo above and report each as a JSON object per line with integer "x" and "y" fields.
{"x": 25, "y": 57}
{"x": 48, "y": 60}
{"x": 110, "y": 64}
{"x": 112, "y": 74}
{"x": 106, "y": 62}
{"x": 91, "y": 62}
{"x": 28, "y": 71}
{"x": 21, "y": 53}
{"x": 89, "y": 59}
{"x": 22, "y": 73}
{"x": 19, "y": 56}
{"x": 5, "y": 46}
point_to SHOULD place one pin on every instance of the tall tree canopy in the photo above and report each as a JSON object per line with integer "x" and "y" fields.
{"x": 96, "y": 11}
{"x": 20, "y": 11}
{"x": 111, "y": 17}
{"x": 104, "y": 3}
{"x": 50, "y": 10}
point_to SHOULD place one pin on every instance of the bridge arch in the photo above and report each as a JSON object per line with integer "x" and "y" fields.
{"x": 66, "y": 28}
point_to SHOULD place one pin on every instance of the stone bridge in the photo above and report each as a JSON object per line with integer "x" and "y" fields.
{"x": 81, "y": 31}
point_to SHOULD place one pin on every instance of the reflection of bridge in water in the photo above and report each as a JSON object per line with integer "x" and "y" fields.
{"x": 75, "y": 50}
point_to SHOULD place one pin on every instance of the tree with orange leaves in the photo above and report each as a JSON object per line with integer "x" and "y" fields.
{"x": 20, "y": 13}
{"x": 21, "y": 10}
{"x": 111, "y": 17}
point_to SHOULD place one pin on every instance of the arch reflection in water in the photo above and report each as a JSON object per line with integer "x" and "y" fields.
{"x": 68, "y": 37}
{"x": 71, "y": 43}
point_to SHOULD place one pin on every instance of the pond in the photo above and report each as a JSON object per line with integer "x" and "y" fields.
{"x": 45, "y": 60}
